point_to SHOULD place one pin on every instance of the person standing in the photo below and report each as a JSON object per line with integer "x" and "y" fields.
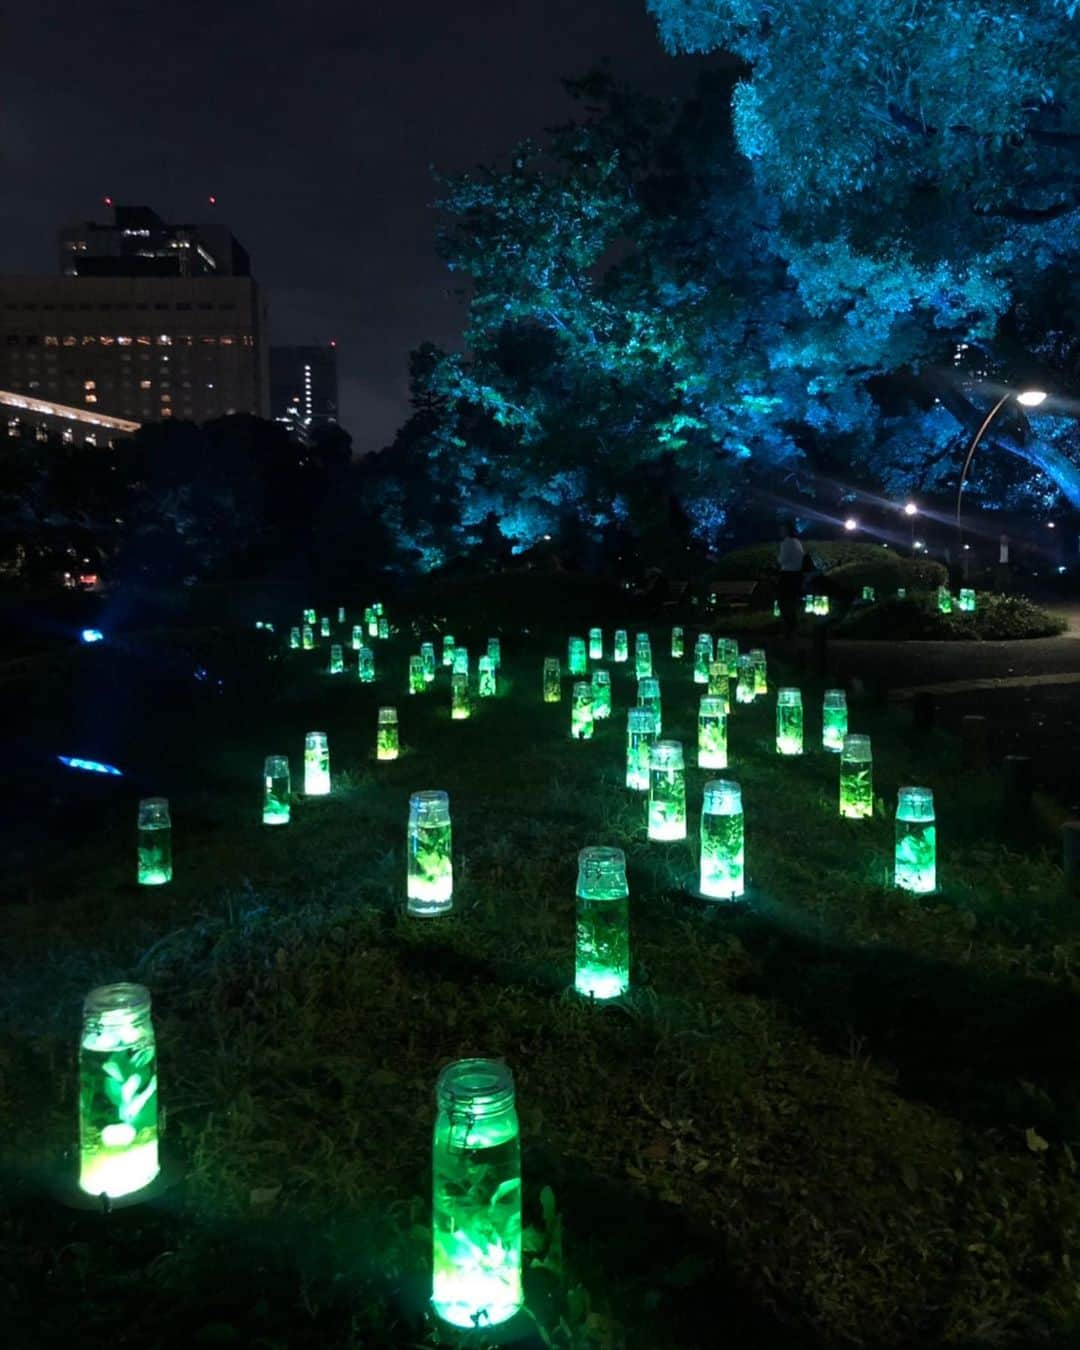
{"x": 791, "y": 557}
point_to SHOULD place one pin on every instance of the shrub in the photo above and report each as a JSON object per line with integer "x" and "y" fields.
{"x": 997, "y": 618}
{"x": 887, "y": 574}
{"x": 759, "y": 560}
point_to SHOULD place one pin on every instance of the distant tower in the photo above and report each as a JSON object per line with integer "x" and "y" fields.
{"x": 303, "y": 386}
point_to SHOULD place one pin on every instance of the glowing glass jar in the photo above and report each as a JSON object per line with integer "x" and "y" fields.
{"x": 377, "y": 609}
{"x": 648, "y": 696}
{"x": 678, "y": 643}
{"x": 667, "y": 792}
{"x": 316, "y": 764}
{"x": 703, "y": 655}
{"x": 856, "y": 778}
{"x": 476, "y": 1204}
{"x": 309, "y": 617}
{"x": 552, "y": 680}
{"x": 722, "y": 841}
{"x": 601, "y": 695}
{"x": 581, "y": 712}
{"x": 719, "y": 685}
{"x": 575, "y": 656}
{"x": 731, "y": 656}
{"x": 427, "y": 661}
{"x": 118, "y": 1104}
{"x": 370, "y": 617}
{"x": 809, "y": 604}
{"x": 901, "y": 592}
{"x": 789, "y": 722}
{"x": 386, "y": 734}
{"x": 966, "y": 600}
{"x": 448, "y": 650}
{"x": 460, "y": 704}
{"x": 324, "y": 625}
{"x": 308, "y": 638}
{"x": 494, "y": 651}
{"x": 640, "y": 737}
{"x": 596, "y": 644}
{"x": 373, "y": 623}
{"x": 761, "y": 677}
{"x": 868, "y": 593}
{"x": 621, "y": 648}
{"x": 776, "y": 609}
{"x": 461, "y": 661}
{"x": 277, "y": 790}
{"x": 485, "y": 677}
{"x": 602, "y": 965}
{"x": 365, "y": 665}
{"x": 341, "y": 614}
{"x": 834, "y": 720}
{"x": 944, "y": 600}
{"x": 429, "y": 884}
{"x": 744, "y": 685}
{"x": 417, "y": 676}
{"x": 916, "y": 841}
{"x": 642, "y": 655}
{"x": 337, "y": 659}
{"x": 357, "y": 637}
{"x": 154, "y": 842}
{"x": 383, "y": 627}
{"x": 294, "y": 639}
{"x": 712, "y": 734}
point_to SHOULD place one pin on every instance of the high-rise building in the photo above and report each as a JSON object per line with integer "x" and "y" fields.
{"x": 116, "y": 336}
{"x": 303, "y": 386}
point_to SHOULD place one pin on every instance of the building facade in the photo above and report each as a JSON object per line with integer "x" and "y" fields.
{"x": 138, "y": 243}
{"x": 304, "y": 386}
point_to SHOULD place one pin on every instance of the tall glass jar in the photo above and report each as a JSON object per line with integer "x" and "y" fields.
{"x": 834, "y": 720}
{"x": 277, "y": 790}
{"x": 316, "y": 764}
{"x": 154, "y": 842}
{"x": 575, "y": 656}
{"x": 761, "y": 674}
{"x": 944, "y": 600}
{"x": 337, "y": 659}
{"x": 966, "y": 600}
{"x": 294, "y": 639}
{"x": 601, "y": 695}
{"x": 667, "y": 792}
{"x": 494, "y": 651}
{"x": 581, "y": 711}
{"x": 386, "y": 734}
{"x": 460, "y": 704}
{"x": 916, "y": 841}
{"x": 678, "y": 643}
{"x": 476, "y": 1206}
{"x": 621, "y": 648}
{"x": 856, "y": 778}
{"x": 357, "y": 637}
{"x": 648, "y": 696}
{"x": 596, "y": 644}
{"x": 640, "y": 735}
{"x": 485, "y": 678}
{"x": 118, "y": 1106}
{"x": 365, "y": 665}
{"x": 712, "y": 734}
{"x": 308, "y": 638}
{"x": 744, "y": 685}
{"x": 309, "y": 616}
{"x": 552, "y": 680}
{"x": 789, "y": 722}
{"x": 722, "y": 840}
{"x": 731, "y": 656}
{"x": 703, "y": 655}
{"x": 448, "y": 650}
{"x": 383, "y": 627}
{"x": 602, "y": 967}
{"x": 719, "y": 683}
{"x": 461, "y": 660}
{"x": 373, "y": 623}
{"x": 643, "y": 667}
{"x": 430, "y": 881}
{"x": 427, "y": 661}
{"x": 417, "y": 676}
{"x": 324, "y": 626}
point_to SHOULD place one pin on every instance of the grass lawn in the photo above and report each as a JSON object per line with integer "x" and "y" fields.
{"x": 830, "y": 1116}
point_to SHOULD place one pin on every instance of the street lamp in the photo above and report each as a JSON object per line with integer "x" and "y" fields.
{"x": 851, "y": 524}
{"x": 1027, "y": 398}
{"x": 911, "y": 511}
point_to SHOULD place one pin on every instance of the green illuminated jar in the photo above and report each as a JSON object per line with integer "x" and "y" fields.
{"x": 341, "y": 614}
{"x": 460, "y": 704}
{"x": 722, "y": 841}
{"x": 552, "y": 680}
{"x": 118, "y": 1102}
{"x": 712, "y": 734}
{"x": 648, "y": 696}
{"x": 642, "y": 655}
{"x": 308, "y": 638}
{"x": 581, "y": 711}
{"x": 448, "y": 650}
{"x": 309, "y": 617}
{"x": 966, "y": 600}
{"x": 856, "y": 778}
{"x": 601, "y": 695}
{"x": 429, "y": 884}
{"x": 789, "y": 722}
{"x": 383, "y": 627}
{"x": 703, "y": 655}
{"x": 370, "y": 618}
{"x": 575, "y": 656}
{"x": 901, "y": 592}
{"x": 427, "y": 661}
{"x": 365, "y": 666}
{"x": 602, "y": 966}
{"x": 155, "y": 842}
{"x": 667, "y": 792}
{"x": 316, "y": 764}
{"x": 417, "y": 676}
{"x": 821, "y": 605}
{"x": 461, "y": 661}
{"x": 596, "y": 644}
{"x": 378, "y": 609}
{"x": 494, "y": 651}
{"x": 944, "y": 600}
{"x": 476, "y": 1204}
{"x": 761, "y": 678}
{"x": 324, "y": 626}
{"x": 277, "y": 790}
{"x": 744, "y": 685}
{"x": 294, "y": 639}
{"x": 386, "y": 734}
{"x": 868, "y": 593}
{"x": 916, "y": 841}
{"x": 809, "y": 604}
{"x": 719, "y": 684}
{"x": 357, "y": 637}
{"x": 678, "y": 643}
{"x": 337, "y": 659}
{"x": 834, "y": 720}
{"x": 373, "y": 623}
{"x": 731, "y": 656}
{"x": 621, "y": 650}
{"x": 641, "y": 735}
{"x": 485, "y": 677}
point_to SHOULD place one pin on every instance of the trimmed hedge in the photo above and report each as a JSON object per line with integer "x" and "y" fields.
{"x": 886, "y": 575}
{"x": 846, "y": 566}
{"x": 997, "y": 618}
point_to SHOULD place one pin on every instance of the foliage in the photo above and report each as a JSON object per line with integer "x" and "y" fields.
{"x": 830, "y": 557}
{"x": 887, "y": 573}
{"x": 997, "y": 618}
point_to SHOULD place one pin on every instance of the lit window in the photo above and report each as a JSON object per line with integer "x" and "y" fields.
{"x": 91, "y": 398}
{"x": 144, "y": 384}
{"x": 226, "y": 341}
{"x": 166, "y": 412}
{"x": 89, "y": 384}
{"x": 166, "y": 398}
{"x": 143, "y": 339}
{"x": 71, "y": 341}
{"x": 164, "y": 340}
{"x": 210, "y": 341}
{"x": 88, "y": 341}
{"x": 124, "y": 341}
{"x": 106, "y": 341}
{"x": 52, "y": 342}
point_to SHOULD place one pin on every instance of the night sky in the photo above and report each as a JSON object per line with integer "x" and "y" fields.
{"x": 314, "y": 124}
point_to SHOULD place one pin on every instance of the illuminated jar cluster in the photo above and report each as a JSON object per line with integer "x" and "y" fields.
{"x": 602, "y": 965}
{"x": 118, "y": 1104}
{"x": 429, "y": 885}
{"x": 667, "y": 792}
{"x": 476, "y": 1201}
{"x": 552, "y": 680}
{"x": 641, "y": 734}
{"x": 621, "y": 645}
{"x": 601, "y": 695}
{"x": 386, "y": 734}
{"x": 712, "y": 733}
{"x": 916, "y": 841}
{"x": 277, "y": 790}
{"x": 581, "y": 711}
{"x": 576, "y": 662}
{"x": 154, "y": 846}
{"x": 722, "y": 841}
{"x": 834, "y": 720}
{"x": 789, "y": 722}
{"x": 856, "y": 778}
{"x": 316, "y": 764}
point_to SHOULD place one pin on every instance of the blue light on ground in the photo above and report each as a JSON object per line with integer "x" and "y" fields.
{"x": 88, "y": 765}
{"x": 92, "y": 635}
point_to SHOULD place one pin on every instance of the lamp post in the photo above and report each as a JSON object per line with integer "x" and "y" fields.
{"x": 911, "y": 511}
{"x": 1027, "y": 398}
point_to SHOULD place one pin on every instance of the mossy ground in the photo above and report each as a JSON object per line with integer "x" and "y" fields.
{"x": 831, "y": 1116}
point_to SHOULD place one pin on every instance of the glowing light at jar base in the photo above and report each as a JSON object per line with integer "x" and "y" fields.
{"x": 722, "y": 841}
{"x": 667, "y": 792}
{"x": 429, "y": 886}
{"x": 602, "y": 968}
{"x": 916, "y": 841}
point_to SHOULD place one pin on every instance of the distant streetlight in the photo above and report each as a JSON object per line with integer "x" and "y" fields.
{"x": 911, "y": 509}
{"x": 1027, "y": 398}
{"x": 851, "y": 524}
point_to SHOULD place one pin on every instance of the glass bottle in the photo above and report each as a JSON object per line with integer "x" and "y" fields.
{"x": 427, "y": 661}
{"x": 642, "y": 656}
{"x": 461, "y": 661}
{"x": 118, "y": 1105}
{"x": 341, "y": 614}
{"x": 744, "y": 685}
{"x": 294, "y": 639}
{"x": 944, "y": 600}
{"x": 789, "y": 722}
{"x": 722, "y": 840}
{"x": 602, "y": 967}
{"x": 916, "y": 841}
{"x": 552, "y": 680}
{"x": 677, "y": 643}
{"x": 373, "y": 623}
{"x": 703, "y": 655}
{"x": 324, "y": 626}
{"x": 967, "y": 600}
{"x": 357, "y": 637}
{"x": 382, "y": 628}
{"x": 761, "y": 678}
{"x": 731, "y": 656}
{"x": 308, "y": 638}
{"x": 476, "y": 1203}
{"x": 640, "y": 735}
{"x": 601, "y": 695}
{"x": 712, "y": 734}
{"x": 365, "y": 666}
{"x": 277, "y": 790}
{"x": 856, "y": 778}
{"x": 430, "y": 880}
{"x": 485, "y": 678}
{"x": 575, "y": 656}
{"x": 417, "y": 679}
{"x": 309, "y": 617}
{"x": 386, "y": 734}
{"x": 460, "y": 706}
{"x": 448, "y": 650}
{"x": 494, "y": 651}
{"x": 621, "y": 646}
{"x": 667, "y": 791}
{"x": 581, "y": 711}
{"x": 648, "y": 696}
{"x": 337, "y": 659}
{"x": 316, "y": 764}
{"x": 834, "y": 720}
{"x": 719, "y": 684}
{"x": 596, "y": 644}
{"x": 155, "y": 842}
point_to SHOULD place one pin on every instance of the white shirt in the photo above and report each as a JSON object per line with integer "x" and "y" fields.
{"x": 791, "y": 555}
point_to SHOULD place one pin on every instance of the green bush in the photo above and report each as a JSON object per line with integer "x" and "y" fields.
{"x": 997, "y": 618}
{"x": 759, "y": 560}
{"x": 887, "y": 574}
